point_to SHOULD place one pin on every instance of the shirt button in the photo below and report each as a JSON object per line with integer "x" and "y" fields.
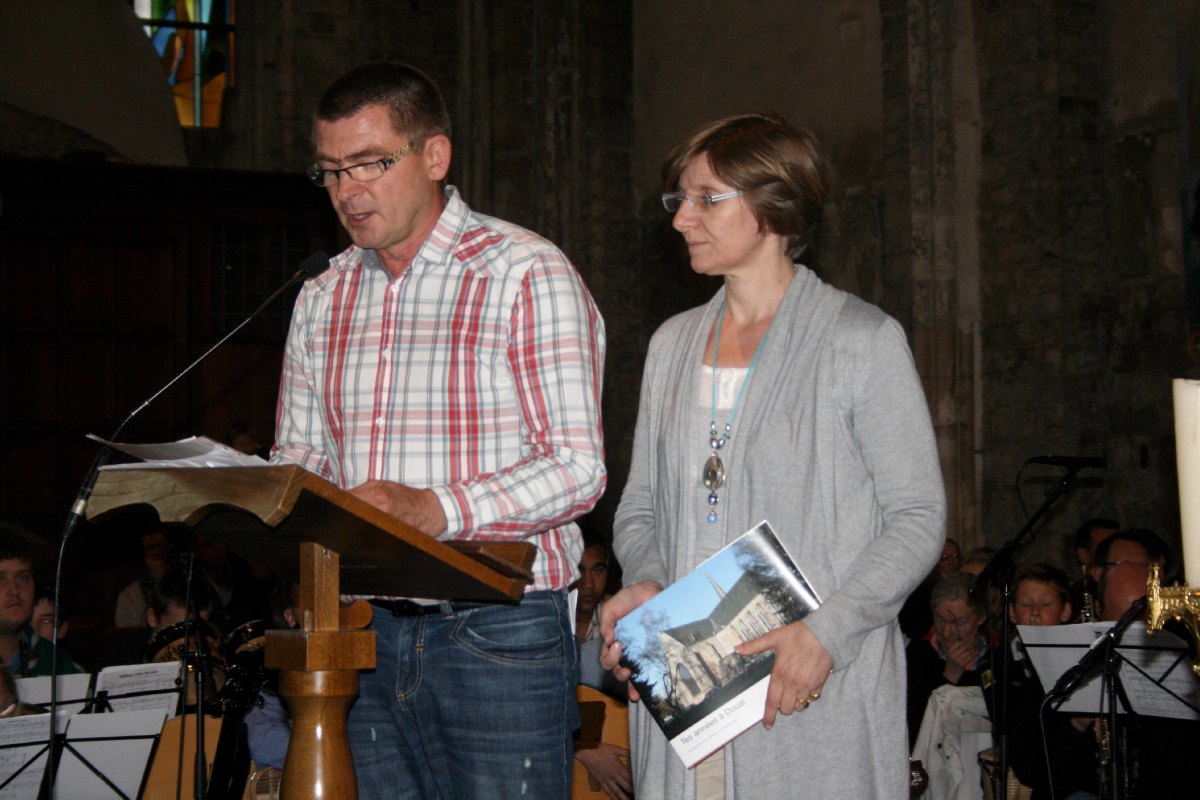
{"x": 380, "y": 422}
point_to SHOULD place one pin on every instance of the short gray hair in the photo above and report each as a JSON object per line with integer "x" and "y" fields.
{"x": 957, "y": 586}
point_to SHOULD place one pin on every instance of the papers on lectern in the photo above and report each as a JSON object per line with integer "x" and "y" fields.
{"x": 194, "y": 451}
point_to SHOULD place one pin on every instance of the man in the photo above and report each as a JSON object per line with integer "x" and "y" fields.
{"x": 593, "y": 579}
{"x": 131, "y": 602}
{"x": 166, "y": 605}
{"x": 447, "y": 370}
{"x": 1088, "y": 537}
{"x": 1160, "y": 751}
{"x": 25, "y": 654}
{"x": 607, "y": 763}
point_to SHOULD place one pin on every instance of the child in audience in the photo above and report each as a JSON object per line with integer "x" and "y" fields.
{"x": 1041, "y": 596}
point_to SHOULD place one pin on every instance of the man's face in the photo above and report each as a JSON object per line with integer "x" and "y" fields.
{"x": 394, "y": 212}
{"x": 1039, "y": 603}
{"x": 1124, "y": 556}
{"x": 593, "y": 568}
{"x": 16, "y": 594}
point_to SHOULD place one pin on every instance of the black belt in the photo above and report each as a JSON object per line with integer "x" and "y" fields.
{"x": 407, "y": 608}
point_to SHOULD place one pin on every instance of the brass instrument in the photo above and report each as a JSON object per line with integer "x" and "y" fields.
{"x": 1104, "y": 744}
{"x": 1087, "y": 613}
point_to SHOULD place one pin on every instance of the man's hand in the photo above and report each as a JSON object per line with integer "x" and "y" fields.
{"x": 801, "y": 667}
{"x": 613, "y": 609}
{"x": 416, "y": 507}
{"x": 609, "y": 766}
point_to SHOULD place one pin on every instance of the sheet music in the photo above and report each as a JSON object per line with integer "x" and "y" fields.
{"x": 72, "y": 691}
{"x": 160, "y": 677}
{"x": 118, "y": 745}
{"x": 23, "y": 741}
{"x": 1155, "y": 670}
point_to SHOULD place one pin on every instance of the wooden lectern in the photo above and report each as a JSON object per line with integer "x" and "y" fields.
{"x": 308, "y": 530}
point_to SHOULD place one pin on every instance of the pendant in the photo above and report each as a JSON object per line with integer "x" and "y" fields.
{"x": 713, "y": 475}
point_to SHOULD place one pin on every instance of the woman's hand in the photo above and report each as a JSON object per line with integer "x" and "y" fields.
{"x": 959, "y": 656}
{"x": 802, "y": 666}
{"x": 614, "y": 608}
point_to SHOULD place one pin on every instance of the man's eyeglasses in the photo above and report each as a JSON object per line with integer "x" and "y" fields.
{"x": 1111, "y": 564}
{"x": 360, "y": 173}
{"x": 701, "y": 202}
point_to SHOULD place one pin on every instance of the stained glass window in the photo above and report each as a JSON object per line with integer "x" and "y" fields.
{"x": 194, "y": 42}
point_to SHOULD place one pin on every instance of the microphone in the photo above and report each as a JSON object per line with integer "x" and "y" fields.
{"x": 1070, "y": 462}
{"x": 309, "y": 268}
{"x": 1092, "y": 662}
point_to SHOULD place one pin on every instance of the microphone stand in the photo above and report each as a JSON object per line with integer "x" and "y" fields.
{"x": 999, "y": 572}
{"x": 309, "y": 268}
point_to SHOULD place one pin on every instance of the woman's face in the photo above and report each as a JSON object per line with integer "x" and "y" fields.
{"x": 724, "y": 238}
{"x": 955, "y": 621}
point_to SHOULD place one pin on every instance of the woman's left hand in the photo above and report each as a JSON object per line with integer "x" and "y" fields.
{"x": 801, "y": 667}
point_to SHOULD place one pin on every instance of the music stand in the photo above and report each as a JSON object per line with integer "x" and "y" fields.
{"x": 310, "y": 531}
{"x": 1142, "y": 676}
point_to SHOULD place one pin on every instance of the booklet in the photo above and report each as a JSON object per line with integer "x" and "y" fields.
{"x": 679, "y": 645}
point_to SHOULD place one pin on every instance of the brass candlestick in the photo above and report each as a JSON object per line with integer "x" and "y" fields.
{"x": 1179, "y": 602}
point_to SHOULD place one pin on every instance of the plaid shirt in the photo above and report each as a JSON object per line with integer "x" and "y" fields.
{"x": 476, "y": 373}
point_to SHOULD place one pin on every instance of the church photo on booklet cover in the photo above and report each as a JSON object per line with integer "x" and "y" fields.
{"x": 680, "y": 644}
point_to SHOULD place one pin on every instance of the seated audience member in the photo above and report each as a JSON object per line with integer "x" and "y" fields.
{"x": 592, "y": 587}
{"x": 1088, "y": 537}
{"x": 1040, "y": 597}
{"x": 240, "y": 592}
{"x": 976, "y": 561}
{"x": 167, "y": 605}
{"x": 915, "y": 619}
{"x": 954, "y": 653}
{"x": 1162, "y": 751}
{"x": 268, "y": 724}
{"x": 42, "y": 624}
{"x": 131, "y": 602}
{"x": 1134, "y": 548}
{"x": 25, "y": 654}
{"x": 606, "y": 763}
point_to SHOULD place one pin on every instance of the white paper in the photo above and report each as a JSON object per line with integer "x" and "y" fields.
{"x": 1153, "y": 668}
{"x": 160, "y": 677}
{"x": 72, "y": 691}
{"x": 25, "y": 738}
{"x": 194, "y": 451}
{"x": 117, "y": 745}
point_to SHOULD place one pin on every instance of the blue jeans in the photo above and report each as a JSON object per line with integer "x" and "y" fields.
{"x": 474, "y": 704}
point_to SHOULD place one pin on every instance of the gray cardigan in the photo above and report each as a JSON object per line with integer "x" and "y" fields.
{"x": 833, "y": 445}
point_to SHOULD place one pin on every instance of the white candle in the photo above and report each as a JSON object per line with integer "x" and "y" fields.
{"x": 1187, "y": 456}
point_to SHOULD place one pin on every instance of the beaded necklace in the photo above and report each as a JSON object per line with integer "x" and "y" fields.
{"x": 713, "y": 474}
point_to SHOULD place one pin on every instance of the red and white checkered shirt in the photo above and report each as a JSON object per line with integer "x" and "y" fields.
{"x": 476, "y": 373}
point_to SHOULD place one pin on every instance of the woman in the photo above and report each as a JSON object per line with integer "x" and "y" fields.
{"x": 954, "y": 652}
{"x": 785, "y": 399}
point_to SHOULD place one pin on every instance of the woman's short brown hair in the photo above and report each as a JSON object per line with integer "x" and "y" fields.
{"x": 779, "y": 167}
